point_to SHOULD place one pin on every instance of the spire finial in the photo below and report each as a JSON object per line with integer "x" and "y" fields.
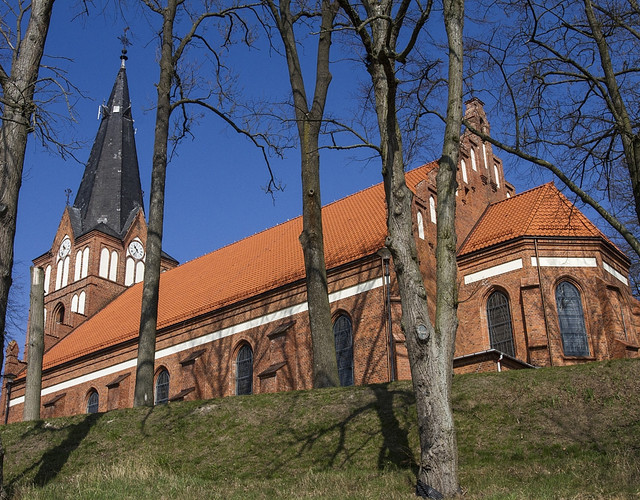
{"x": 125, "y": 43}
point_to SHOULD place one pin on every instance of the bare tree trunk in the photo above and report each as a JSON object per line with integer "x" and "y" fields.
{"x": 430, "y": 350}
{"x": 143, "y": 395}
{"x": 309, "y": 120}
{"x": 31, "y": 410}
{"x": 18, "y": 88}
{"x": 441, "y": 465}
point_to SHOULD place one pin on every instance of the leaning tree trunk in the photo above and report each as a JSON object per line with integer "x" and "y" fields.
{"x": 428, "y": 349}
{"x": 18, "y": 89}
{"x": 143, "y": 395}
{"x": 309, "y": 119}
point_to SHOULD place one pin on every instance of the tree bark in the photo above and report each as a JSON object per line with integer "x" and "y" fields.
{"x": 33, "y": 384}
{"x": 309, "y": 120}
{"x": 143, "y": 395}
{"x": 430, "y": 350}
{"x": 18, "y": 89}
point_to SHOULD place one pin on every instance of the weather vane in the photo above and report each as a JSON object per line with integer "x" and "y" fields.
{"x": 68, "y": 192}
{"x": 125, "y": 43}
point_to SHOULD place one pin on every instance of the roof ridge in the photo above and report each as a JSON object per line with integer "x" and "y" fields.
{"x": 543, "y": 190}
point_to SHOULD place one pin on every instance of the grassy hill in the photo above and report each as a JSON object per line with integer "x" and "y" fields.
{"x": 550, "y": 433}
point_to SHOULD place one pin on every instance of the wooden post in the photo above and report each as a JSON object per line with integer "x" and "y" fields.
{"x": 36, "y": 347}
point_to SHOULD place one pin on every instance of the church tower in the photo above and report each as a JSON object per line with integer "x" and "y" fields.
{"x": 99, "y": 248}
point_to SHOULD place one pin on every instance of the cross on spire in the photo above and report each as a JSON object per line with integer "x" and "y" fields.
{"x": 125, "y": 43}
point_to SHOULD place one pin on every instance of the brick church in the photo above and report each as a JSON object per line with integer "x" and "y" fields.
{"x": 539, "y": 285}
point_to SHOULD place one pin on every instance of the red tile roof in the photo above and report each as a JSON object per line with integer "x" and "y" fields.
{"x": 353, "y": 227}
{"x": 543, "y": 211}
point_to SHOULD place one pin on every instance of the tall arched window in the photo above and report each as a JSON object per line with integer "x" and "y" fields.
{"x": 103, "y": 272}
{"x": 474, "y": 166}
{"x": 58, "y": 314}
{"x": 47, "y": 279}
{"x": 85, "y": 262}
{"x": 463, "y": 167}
{"x": 420, "y": 226}
{"x": 432, "y": 209}
{"x": 162, "y": 387}
{"x": 244, "y": 371}
{"x": 343, "y": 336}
{"x": 499, "y": 318}
{"x": 113, "y": 266}
{"x": 571, "y": 319}
{"x": 77, "y": 270}
{"x": 93, "y": 402}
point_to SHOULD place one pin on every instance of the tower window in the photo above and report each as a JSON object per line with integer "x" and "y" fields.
{"x": 499, "y": 318}
{"x": 463, "y": 167}
{"x": 474, "y": 166}
{"x": 571, "y": 319}
{"x": 343, "y": 337}
{"x": 104, "y": 263}
{"x": 113, "y": 266}
{"x": 244, "y": 371}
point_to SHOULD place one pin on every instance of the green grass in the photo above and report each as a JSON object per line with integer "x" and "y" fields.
{"x": 550, "y": 433}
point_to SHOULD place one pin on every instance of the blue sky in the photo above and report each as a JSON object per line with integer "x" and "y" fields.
{"x": 214, "y": 190}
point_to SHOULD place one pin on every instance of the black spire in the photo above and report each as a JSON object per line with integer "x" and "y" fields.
{"x": 110, "y": 194}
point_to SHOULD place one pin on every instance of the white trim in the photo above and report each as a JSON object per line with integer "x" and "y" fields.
{"x": 210, "y": 337}
{"x": 493, "y": 271}
{"x": 565, "y": 262}
{"x": 614, "y": 273}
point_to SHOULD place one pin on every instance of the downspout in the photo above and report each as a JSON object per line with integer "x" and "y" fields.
{"x": 6, "y": 410}
{"x": 499, "y": 365}
{"x": 386, "y": 256}
{"x": 544, "y": 307}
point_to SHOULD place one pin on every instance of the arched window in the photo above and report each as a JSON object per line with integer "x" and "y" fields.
{"x": 47, "y": 279}
{"x": 473, "y": 160}
{"x": 74, "y": 304}
{"x": 65, "y": 272}
{"x": 244, "y": 371}
{"x": 463, "y": 167}
{"x": 113, "y": 267}
{"x": 77, "y": 270}
{"x": 81, "y": 302}
{"x": 420, "y": 226}
{"x": 495, "y": 171}
{"x": 85, "y": 262}
{"x": 139, "y": 271}
{"x": 103, "y": 272}
{"x": 59, "y": 275}
{"x": 93, "y": 402}
{"x": 343, "y": 336}
{"x": 129, "y": 271}
{"x": 162, "y": 387}
{"x": 571, "y": 319}
{"x": 499, "y": 318}
{"x": 432, "y": 209}
{"x": 484, "y": 155}
{"x": 58, "y": 314}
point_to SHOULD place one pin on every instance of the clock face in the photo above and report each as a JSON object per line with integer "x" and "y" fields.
{"x": 136, "y": 250}
{"x": 65, "y": 246}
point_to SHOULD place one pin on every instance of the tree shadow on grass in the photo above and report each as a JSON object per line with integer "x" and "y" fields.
{"x": 395, "y": 450}
{"x": 52, "y": 461}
